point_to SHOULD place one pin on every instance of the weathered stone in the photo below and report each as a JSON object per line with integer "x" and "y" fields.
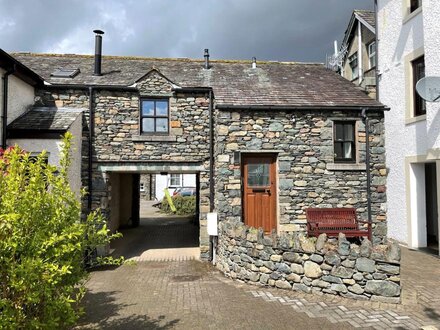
{"x": 332, "y": 258}
{"x": 332, "y": 279}
{"x": 307, "y": 281}
{"x": 356, "y": 288}
{"x": 264, "y": 278}
{"x": 307, "y": 244}
{"x": 312, "y": 269}
{"x": 252, "y": 235}
{"x": 365, "y": 265}
{"x": 348, "y": 263}
{"x": 320, "y": 283}
{"x": 382, "y": 288}
{"x": 283, "y": 268}
{"x": 355, "y": 250}
{"x": 265, "y": 270}
{"x": 316, "y": 258}
{"x": 283, "y": 284}
{"x": 275, "y": 258}
{"x": 358, "y": 276}
{"x": 292, "y": 257}
{"x": 301, "y": 287}
{"x": 320, "y": 242}
{"x": 254, "y": 277}
{"x": 276, "y": 127}
{"x": 365, "y": 249}
{"x": 389, "y": 269}
{"x": 339, "y": 288}
{"x": 293, "y": 278}
{"x": 348, "y": 281}
{"x": 275, "y": 275}
{"x": 297, "y": 269}
{"x": 378, "y": 252}
{"x": 354, "y": 296}
{"x": 343, "y": 245}
{"x": 341, "y": 271}
{"x": 324, "y": 266}
{"x": 393, "y": 252}
{"x": 269, "y": 264}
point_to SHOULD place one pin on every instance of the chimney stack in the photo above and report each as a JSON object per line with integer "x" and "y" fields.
{"x": 254, "y": 62}
{"x": 98, "y": 52}
{"x": 206, "y": 58}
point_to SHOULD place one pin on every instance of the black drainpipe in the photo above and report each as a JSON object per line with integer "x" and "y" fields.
{"x": 212, "y": 240}
{"x": 91, "y": 132}
{"x": 376, "y": 30}
{"x": 367, "y": 161}
{"x": 5, "y": 104}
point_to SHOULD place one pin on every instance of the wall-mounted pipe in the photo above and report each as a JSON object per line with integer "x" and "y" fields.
{"x": 98, "y": 52}
{"x": 206, "y": 55}
{"x": 367, "y": 161}
{"x": 376, "y": 34}
{"x": 5, "y": 79}
{"x": 90, "y": 152}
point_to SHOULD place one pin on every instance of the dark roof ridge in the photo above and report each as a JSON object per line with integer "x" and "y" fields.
{"x": 179, "y": 59}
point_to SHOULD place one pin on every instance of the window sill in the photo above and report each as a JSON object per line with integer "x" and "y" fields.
{"x": 154, "y": 138}
{"x": 409, "y": 16}
{"x": 346, "y": 167}
{"x": 412, "y": 120}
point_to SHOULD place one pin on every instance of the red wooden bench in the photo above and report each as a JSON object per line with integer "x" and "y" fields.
{"x": 333, "y": 221}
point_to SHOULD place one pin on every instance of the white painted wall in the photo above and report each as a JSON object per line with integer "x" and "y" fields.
{"x": 20, "y": 97}
{"x": 163, "y": 181}
{"x": 398, "y": 38}
{"x": 53, "y": 147}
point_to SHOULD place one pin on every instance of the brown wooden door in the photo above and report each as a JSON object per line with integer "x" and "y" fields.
{"x": 259, "y": 191}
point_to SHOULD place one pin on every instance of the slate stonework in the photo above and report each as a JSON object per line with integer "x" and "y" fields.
{"x": 303, "y": 142}
{"x": 280, "y": 261}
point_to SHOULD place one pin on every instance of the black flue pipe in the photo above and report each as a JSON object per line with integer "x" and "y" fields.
{"x": 98, "y": 52}
{"x": 206, "y": 55}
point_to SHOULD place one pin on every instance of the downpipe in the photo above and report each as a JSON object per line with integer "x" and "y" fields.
{"x": 5, "y": 79}
{"x": 368, "y": 170}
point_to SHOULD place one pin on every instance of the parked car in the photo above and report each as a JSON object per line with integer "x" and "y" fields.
{"x": 185, "y": 191}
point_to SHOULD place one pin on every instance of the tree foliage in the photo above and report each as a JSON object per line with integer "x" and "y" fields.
{"x": 43, "y": 242}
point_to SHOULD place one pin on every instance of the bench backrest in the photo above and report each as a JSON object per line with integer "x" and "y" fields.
{"x": 332, "y": 217}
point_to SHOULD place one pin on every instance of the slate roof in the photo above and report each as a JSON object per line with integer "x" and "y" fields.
{"x": 367, "y": 16}
{"x": 235, "y": 83}
{"x": 46, "y": 119}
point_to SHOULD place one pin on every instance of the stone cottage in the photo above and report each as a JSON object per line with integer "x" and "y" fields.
{"x": 266, "y": 140}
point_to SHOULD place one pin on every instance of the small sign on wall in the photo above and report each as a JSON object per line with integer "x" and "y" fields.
{"x": 212, "y": 224}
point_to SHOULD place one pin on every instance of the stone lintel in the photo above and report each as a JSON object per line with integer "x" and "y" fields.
{"x": 346, "y": 167}
{"x": 154, "y": 138}
{"x": 153, "y": 167}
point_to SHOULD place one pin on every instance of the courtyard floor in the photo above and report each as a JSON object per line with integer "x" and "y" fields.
{"x": 174, "y": 290}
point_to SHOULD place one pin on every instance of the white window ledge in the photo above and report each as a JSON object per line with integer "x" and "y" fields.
{"x": 346, "y": 167}
{"x": 411, "y": 15}
{"x": 414, "y": 119}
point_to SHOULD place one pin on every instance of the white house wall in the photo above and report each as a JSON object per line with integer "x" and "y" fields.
{"x": 162, "y": 182}
{"x": 406, "y": 138}
{"x": 20, "y": 97}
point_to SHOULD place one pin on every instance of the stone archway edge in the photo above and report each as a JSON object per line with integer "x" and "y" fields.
{"x": 314, "y": 265}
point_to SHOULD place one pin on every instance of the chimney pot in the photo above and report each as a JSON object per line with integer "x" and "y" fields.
{"x": 98, "y": 52}
{"x": 206, "y": 58}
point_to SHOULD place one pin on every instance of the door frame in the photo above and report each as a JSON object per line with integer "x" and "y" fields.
{"x": 256, "y": 154}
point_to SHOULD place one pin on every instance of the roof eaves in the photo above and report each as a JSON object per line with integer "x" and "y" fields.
{"x": 24, "y": 72}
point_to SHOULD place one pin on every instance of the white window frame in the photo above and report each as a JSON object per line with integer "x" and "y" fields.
{"x": 372, "y": 55}
{"x": 176, "y": 175}
{"x": 354, "y": 69}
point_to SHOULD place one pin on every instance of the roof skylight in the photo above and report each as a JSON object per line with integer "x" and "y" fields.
{"x": 65, "y": 73}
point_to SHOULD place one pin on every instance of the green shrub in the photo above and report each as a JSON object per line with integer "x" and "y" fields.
{"x": 185, "y": 205}
{"x": 43, "y": 242}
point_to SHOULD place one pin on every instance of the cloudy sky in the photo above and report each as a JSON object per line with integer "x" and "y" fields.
{"x": 288, "y": 30}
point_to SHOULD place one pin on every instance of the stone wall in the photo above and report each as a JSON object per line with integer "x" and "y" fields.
{"x": 307, "y": 174}
{"x": 118, "y": 140}
{"x": 293, "y": 262}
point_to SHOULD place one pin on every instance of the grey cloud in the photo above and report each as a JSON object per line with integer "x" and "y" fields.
{"x": 235, "y": 29}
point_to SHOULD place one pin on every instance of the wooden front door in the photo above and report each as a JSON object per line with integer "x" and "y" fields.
{"x": 259, "y": 191}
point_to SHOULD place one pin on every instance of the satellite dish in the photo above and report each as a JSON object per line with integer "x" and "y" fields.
{"x": 429, "y": 88}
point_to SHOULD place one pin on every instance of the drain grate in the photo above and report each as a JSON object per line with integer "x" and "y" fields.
{"x": 185, "y": 278}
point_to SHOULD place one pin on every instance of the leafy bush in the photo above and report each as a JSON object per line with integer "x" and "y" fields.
{"x": 43, "y": 242}
{"x": 185, "y": 205}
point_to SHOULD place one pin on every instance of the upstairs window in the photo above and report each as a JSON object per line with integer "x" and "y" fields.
{"x": 372, "y": 54}
{"x": 414, "y": 4}
{"x": 353, "y": 62}
{"x": 344, "y": 141}
{"x": 418, "y": 67}
{"x": 154, "y": 116}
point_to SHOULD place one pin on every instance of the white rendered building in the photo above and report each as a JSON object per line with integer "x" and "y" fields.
{"x": 408, "y": 49}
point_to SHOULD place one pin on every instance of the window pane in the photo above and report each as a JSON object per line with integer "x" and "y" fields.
{"x": 347, "y": 150}
{"x": 161, "y": 125}
{"x": 148, "y": 125}
{"x": 339, "y": 130}
{"x": 175, "y": 180}
{"x": 348, "y": 132}
{"x": 258, "y": 175}
{"x": 338, "y": 150}
{"x": 147, "y": 108}
{"x": 161, "y": 108}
